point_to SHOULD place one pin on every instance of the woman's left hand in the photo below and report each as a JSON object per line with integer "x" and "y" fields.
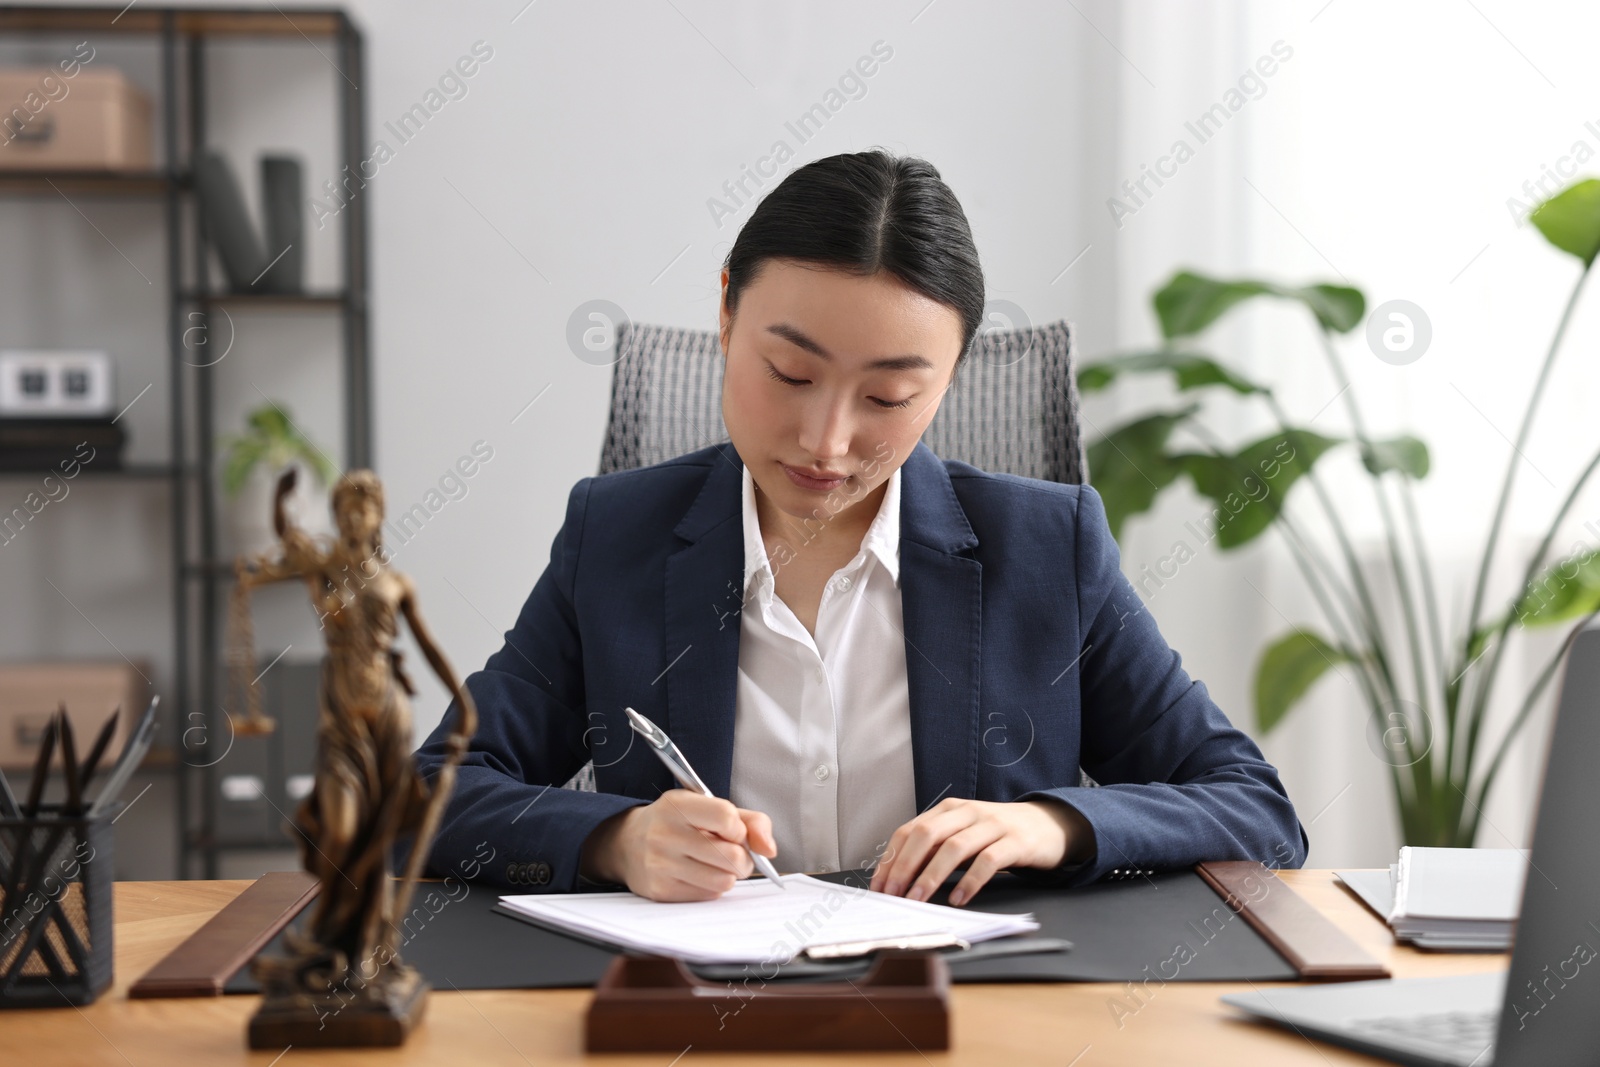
{"x": 984, "y": 835}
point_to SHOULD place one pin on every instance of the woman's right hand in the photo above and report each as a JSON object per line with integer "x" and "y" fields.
{"x": 681, "y": 846}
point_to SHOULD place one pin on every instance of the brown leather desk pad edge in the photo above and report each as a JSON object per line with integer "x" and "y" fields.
{"x": 1300, "y": 933}
{"x": 202, "y": 964}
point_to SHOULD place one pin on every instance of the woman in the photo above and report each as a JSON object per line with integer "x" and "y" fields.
{"x": 830, "y": 621}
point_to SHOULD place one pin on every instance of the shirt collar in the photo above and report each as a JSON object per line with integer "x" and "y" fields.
{"x": 882, "y": 538}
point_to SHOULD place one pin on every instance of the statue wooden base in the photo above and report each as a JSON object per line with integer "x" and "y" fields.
{"x": 654, "y": 1004}
{"x": 378, "y": 1016}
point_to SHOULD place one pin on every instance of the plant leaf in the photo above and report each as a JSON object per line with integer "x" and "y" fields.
{"x": 1190, "y": 302}
{"x": 271, "y": 439}
{"x": 241, "y": 458}
{"x": 1131, "y": 465}
{"x": 1250, "y": 486}
{"x": 1338, "y": 307}
{"x": 1566, "y": 590}
{"x": 1288, "y": 669}
{"x": 271, "y": 421}
{"x": 1190, "y": 370}
{"x": 1405, "y": 454}
{"x": 320, "y": 466}
{"x": 1570, "y": 220}
{"x": 1478, "y": 642}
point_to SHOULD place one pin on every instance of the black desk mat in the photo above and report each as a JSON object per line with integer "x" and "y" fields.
{"x": 1164, "y": 928}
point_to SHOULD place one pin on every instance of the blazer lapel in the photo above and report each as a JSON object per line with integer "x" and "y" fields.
{"x": 700, "y": 653}
{"x": 941, "y": 597}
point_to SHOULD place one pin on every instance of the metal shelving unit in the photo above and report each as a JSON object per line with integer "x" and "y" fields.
{"x": 200, "y": 578}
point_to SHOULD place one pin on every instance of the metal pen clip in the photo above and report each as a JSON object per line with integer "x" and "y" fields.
{"x": 667, "y": 752}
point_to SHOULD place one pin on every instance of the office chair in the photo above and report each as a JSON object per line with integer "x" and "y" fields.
{"x": 1013, "y": 409}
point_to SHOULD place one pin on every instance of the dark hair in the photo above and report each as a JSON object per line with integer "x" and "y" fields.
{"x": 865, "y": 212}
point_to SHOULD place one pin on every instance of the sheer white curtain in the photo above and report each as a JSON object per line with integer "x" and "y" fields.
{"x": 1376, "y": 146}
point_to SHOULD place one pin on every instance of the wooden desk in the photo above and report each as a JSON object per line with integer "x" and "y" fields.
{"x": 1062, "y": 1024}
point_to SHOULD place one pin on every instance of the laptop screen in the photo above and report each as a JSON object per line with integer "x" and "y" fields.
{"x": 1552, "y": 1010}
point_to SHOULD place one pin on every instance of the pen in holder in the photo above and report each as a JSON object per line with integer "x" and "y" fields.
{"x": 55, "y": 914}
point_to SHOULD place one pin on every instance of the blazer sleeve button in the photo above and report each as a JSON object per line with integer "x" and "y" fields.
{"x": 541, "y": 874}
{"x": 513, "y": 873}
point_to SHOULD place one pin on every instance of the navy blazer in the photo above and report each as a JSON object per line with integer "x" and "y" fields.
{"x": 1028, "y": 655}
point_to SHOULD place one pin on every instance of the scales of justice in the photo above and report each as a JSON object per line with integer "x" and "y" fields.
{"x": 341, "y": 981}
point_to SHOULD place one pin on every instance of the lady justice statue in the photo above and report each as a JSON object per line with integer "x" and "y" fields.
{"x": 342, "y": 981}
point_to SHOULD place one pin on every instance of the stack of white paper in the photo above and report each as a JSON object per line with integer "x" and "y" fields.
{"x": 757, "y": 922}
{"x": 1462, "y": 898}
{"x": 1466, "y": 899}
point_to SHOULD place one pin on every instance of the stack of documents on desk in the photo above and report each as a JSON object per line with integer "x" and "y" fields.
{"x": 756, "y": 921}
{"x": 1462, "y": 899}
{"x": 1458, "y": 897}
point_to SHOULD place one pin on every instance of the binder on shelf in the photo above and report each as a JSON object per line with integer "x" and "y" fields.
{"x": 243, "y": 810}
{"x": 282, "y": 194}
{"x": 296, "y": 699}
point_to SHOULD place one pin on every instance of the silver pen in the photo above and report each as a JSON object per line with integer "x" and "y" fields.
{"x": 668, "y": 753}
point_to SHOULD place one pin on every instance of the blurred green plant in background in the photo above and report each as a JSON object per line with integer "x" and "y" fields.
{"x": 1427, "y": 692}
{"x": 270, "y": 439}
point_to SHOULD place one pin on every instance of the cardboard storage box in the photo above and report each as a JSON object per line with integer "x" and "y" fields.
{"x": 29, "y": 692}
{"x": 95, "y": 120}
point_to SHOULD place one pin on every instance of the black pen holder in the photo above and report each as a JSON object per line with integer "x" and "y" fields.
{"x": 55, "y": 909}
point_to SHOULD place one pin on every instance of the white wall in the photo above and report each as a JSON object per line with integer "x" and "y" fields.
{"x": 579, "y": 165}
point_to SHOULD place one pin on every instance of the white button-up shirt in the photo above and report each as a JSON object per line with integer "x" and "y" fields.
{"x": 822, "y": 729}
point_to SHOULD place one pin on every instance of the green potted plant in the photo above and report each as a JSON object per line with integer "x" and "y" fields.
{"x": 1427, "y": 691}
{"x": 251, "y": 465}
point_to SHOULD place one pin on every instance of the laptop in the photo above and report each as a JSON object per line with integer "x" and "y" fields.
{"x": 1545, "y": 1009}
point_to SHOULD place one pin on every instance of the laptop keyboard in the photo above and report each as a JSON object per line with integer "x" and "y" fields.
{"x": 1465, "y": 1035}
